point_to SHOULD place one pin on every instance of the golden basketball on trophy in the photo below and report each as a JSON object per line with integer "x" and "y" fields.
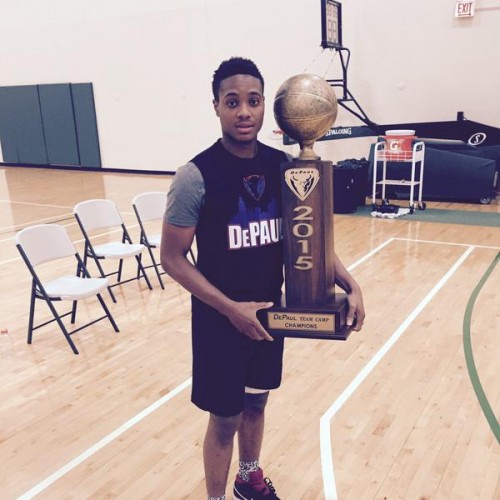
{"x": 305, "y": 108}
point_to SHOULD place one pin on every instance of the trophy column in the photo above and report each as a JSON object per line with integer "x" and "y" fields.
{"x": 308, "y": 224}
{"x": 311, "y": 308}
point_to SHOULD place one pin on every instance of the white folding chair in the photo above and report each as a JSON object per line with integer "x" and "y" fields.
{"x": 98, "y": 214}
{"x": 150, "y": 207}
{"x": 45, "y": 243}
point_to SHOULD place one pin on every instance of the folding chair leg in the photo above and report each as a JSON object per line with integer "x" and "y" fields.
{"x": 85, "y": 256}
{"x": 32, "y": 313}
{"x": 101, "y": 271}
{"x": 155, "y": 265}
{"x": 108, "y": 314}
{"x": 73, "y": 311}
{"x": 143, "y": 271}
{"x": 120, "y": 267}
{"x": 61, "y": 325}
{"x": 191, "y": 254}
{"x": 138, "y": 269}
{"x": 111, "y": 294}
{"x": 78, "y": 270}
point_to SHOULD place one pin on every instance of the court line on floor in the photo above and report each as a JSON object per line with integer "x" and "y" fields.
{"x": 57, "y": 218}
{"x": 329, "y": 485}
{"x": 469, "y": 357}
{"x": 52, "y": 218}
{"x": 370, "y": 254}
{"x": 438, "y": 242}
{"x": 12, "y": 202}
{"x": 103, "y": 442}
{"x": 12, "y": 238}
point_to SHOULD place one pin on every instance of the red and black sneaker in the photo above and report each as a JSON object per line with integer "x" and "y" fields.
{"x": 257, "y": 488}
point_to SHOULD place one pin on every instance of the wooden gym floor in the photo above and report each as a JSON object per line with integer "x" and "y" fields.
{"x": 406, "y": 409}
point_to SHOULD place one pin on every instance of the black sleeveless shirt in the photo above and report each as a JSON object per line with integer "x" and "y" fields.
{"x": 239, "y": 236}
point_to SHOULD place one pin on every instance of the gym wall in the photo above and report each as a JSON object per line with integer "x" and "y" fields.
{"x": 151, "y": 63}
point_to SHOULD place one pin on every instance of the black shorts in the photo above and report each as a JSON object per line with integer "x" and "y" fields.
{"x": 225, "y": 362}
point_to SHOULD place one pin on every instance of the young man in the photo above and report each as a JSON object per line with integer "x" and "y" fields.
{"x": 229, "y": 196}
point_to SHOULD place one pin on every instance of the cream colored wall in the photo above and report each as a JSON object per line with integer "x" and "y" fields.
{"x": 416, "y": 62}
{"x": 151, "y": 64}
{"x": 422, "y": 63}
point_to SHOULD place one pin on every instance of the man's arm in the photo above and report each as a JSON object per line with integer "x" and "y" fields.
{"x": 175, "y": 244}
{"x": 356, "y": 308}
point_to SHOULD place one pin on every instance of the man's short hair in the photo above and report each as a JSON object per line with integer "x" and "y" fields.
{"x": 231, "y": 67}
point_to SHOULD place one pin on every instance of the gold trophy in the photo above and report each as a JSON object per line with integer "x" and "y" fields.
{"x": 305, "y": 108}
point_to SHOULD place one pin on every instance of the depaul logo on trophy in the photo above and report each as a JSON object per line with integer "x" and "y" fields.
{"x": 302, "y": 181}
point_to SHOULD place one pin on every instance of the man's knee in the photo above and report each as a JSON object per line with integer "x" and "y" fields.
{"x": 256, "y": 402}
{"x": 224, "y": 428}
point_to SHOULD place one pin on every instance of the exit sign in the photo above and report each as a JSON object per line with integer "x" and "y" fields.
{"x": 464, "y": 9}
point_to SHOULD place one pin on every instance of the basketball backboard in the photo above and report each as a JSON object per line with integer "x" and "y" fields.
{"x": 331, "y": 24}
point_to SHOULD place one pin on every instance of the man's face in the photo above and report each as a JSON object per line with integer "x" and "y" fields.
{"x": 240, "y": 108}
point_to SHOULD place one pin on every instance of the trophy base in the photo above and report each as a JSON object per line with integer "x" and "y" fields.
{"x": 327, "y": 321}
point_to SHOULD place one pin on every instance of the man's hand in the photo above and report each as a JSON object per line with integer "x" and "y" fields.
{"x": 243, "y": 315}
{"x": 356, "y": 313}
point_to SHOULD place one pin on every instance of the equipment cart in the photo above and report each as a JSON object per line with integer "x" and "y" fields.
{"x": 384, "y": 153}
